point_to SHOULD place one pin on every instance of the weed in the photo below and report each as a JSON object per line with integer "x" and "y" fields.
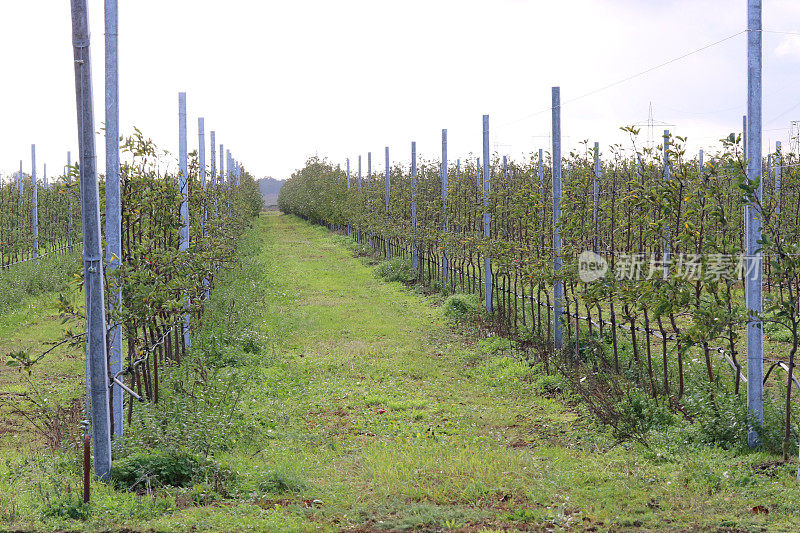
{"x": 169, "y": 469}
{"x": 282, "y": 480}
{"x": 396, "y": 269}
{"x": 462, "y": 307}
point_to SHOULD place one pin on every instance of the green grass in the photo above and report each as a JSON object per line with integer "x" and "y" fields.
{"x": 369, "y": 409}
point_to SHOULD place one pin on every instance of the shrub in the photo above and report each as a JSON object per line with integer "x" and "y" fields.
{"x": 396, "y": 269}
{"x": 638, "y": 414}
{"x": 462, "y": 306}
{"x": 173, "y": 469}
{"x": 721, "y": 420}
{"x": 67, "y": 506}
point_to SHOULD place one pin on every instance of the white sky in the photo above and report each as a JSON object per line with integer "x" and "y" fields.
{"x": 280, "y": 81}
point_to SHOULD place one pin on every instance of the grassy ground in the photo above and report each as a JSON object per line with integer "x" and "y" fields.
{"x": 371, "y": 412}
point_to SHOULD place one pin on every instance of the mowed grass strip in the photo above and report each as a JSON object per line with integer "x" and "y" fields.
{"x": 396, "y": 420}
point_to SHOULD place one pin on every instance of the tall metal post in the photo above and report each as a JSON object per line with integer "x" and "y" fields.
{"x": 541, "y": 170}
{"x": 596, "y": 194}
{"x": 201, "y": 159}
{"x": 388, "y": 193}
{"x": 414, "y": 246}
{"x": 745, "y": 208}
{"x": 221, "y": 164}
{"x": 778, "y": 170}
{"x": 348, "y": 195}
{"x": 558, "y": 288}
{"x": 369, "y": 184}
{"x": 360, "y": 202}
{"x": 213, "y": 158}
{"x": 445, "y": 266}
{"x": 92, "y": 244}
{"x": 35, "y": 196}
{"x": 113, "y": 204}
{"x": 183, "y": 183}
{"x": 487, "y": 218}
{"x": 753, "y": 281}
{"x": 44, "y": 176}
{"x": 667, "y": 232}
{"x": 69, "y": 203}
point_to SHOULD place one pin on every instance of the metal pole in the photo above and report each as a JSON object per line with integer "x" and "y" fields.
{"x": 541, "y": 169}
{"x": 183, "y": 183}
{"x": 348, "y": 194}
{"x": 746, "y": 208}
{"x": 44, "y": 176}
{"x": 444, "y": 208}
{"x": 360, "y": 203}
{"x": 35, "y": 196}
{"x": 388, "y": 192}
{"x": 667, "y": 233}
{"x": 369, "y": 184}
{"x": 113, "y": 204}
{"x": 414, "y": 247}
{"x": 558, "y": 289}
{"x": 69, "y": 202}
{"x": 201, "y": 159}
{"x": 487, "y": 218}
{"x": 92, "y": 243}
{"x": 596, "y": 191}
{"x": 221, "y": 164}
{"x": 755, "y": 340}
{"x": 213, "y": 158}
{"x": 778, "y": 169}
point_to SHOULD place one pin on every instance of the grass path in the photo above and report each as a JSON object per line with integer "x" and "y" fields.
{"x": 393, "y": 420}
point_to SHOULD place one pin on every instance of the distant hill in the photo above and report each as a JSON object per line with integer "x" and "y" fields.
{"x": 270, "y": 187}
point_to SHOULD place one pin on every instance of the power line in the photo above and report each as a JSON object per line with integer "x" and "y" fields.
{"x": 628, "y": 78}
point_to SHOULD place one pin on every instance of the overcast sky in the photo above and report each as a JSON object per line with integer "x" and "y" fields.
{"x": 280, "y": 81}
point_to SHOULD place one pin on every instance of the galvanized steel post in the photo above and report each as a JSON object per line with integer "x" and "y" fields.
{"x": 558, "y": 289}
{"x": 778, "y": 170}
{"x": 213, "y": 159}
{"x": 69, "y": 202}
{"x": 183, "y": 183}
{"x": 666, "y": 256}
{"x": 487, "y": 218}
{"x": 596, "y": 194}
{"x": 92, "y": 244}
{"x": 113, "y": 204}
{"x": 445, "y": 265}
{"x": 388, "y": 192}
{"x": 753, "y": 280}
{"x": 35, "y": 197}
{"x": 414, "y": 246}
{"x": 348, "y": 194}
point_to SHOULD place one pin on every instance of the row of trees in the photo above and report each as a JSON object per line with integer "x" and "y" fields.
{"x": 57, "y": 218}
